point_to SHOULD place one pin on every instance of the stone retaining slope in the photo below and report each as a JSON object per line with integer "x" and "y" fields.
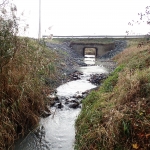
{"x": 119, "y": 47}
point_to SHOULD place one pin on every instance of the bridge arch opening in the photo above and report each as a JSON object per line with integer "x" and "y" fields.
{"x": 90, "y": 51}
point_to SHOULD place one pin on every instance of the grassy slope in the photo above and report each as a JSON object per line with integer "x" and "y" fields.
{"x": 88, "y": 40}
{"x": 82, "y": 40}
{"x": 23, "y": 90}
{"x": 117, "y": 115}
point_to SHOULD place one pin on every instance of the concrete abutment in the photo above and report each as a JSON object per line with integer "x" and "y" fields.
{"x": 101, "y": 49}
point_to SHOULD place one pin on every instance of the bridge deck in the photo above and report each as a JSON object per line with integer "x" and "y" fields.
{"x": 99, "y": 36}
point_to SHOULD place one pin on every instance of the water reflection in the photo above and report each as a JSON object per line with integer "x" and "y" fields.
{"x": 60, "y": 131}
{"x": 69, "y": 89}
{"x": 57, "y": 131}
{"x": 89, "y": 59}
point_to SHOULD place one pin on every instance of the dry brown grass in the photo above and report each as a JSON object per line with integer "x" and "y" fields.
{"x": 132, "y": 49}
{"x": 119, "y": 119}
{"x": 24, "y": 66}
{"x": 21, "y": 90}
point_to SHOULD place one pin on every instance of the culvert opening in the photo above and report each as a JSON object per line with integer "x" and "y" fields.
{"x": 90, "y": 52}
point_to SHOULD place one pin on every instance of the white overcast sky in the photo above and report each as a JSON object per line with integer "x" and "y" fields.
{"x": 82, "y": 17}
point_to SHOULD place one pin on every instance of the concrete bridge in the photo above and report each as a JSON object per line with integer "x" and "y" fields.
{"x": 100, "y": 49}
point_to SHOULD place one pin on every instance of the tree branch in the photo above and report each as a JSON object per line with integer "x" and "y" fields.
{"x": 4, "y": 3}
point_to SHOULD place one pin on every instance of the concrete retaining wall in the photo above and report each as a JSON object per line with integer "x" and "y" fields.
{"x": 101, "y": 49}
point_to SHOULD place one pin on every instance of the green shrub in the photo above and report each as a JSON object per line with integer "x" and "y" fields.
{"x": 111, "y": 81}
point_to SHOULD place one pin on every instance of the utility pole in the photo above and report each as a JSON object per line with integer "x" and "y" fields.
{"x": 39, "y": 36}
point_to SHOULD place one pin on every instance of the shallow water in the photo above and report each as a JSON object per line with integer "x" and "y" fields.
{"x": 57, "y": 132}
{"x": 71, "y": 88}
{"x": 60, "y": 131}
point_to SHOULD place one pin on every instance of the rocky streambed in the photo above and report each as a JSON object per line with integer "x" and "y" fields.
{"x": 56, "y": 131}
{"x": 70, "y": 60}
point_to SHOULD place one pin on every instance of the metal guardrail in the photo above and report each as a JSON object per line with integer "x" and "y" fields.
{"x": 98, "y": 36}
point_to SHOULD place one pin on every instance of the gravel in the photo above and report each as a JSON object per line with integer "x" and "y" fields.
{"x": 119, "y": 47}
{"x": 70, "y": 60}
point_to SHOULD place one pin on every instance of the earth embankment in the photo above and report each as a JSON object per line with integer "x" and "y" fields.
{"x": 117, "y": 116}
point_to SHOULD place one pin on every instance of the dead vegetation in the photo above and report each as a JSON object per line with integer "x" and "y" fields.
{"x": 117, "y": 116}
{"x": 24, "y": 66}
{"x": 23, "y": 90}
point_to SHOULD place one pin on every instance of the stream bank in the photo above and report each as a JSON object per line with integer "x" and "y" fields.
{"x": 117, "y": 115}
{"x": 70, "y": 60}
{"x": 57, "y": 131}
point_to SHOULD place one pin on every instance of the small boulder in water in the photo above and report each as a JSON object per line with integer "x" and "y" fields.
{"x": 60, "y": 105}
{"x": 74, "y": 105}
{"x": 45, "y": 114}
{"x": 97, "y": 78}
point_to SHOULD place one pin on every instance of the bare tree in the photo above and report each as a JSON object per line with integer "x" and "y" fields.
{"x": 8, "y": 34}
{"x": 4, "y": 2}
{"x": 144, "y": 17}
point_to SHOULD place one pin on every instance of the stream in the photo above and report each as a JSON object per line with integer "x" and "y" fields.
{"x": 57, "y": 132}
